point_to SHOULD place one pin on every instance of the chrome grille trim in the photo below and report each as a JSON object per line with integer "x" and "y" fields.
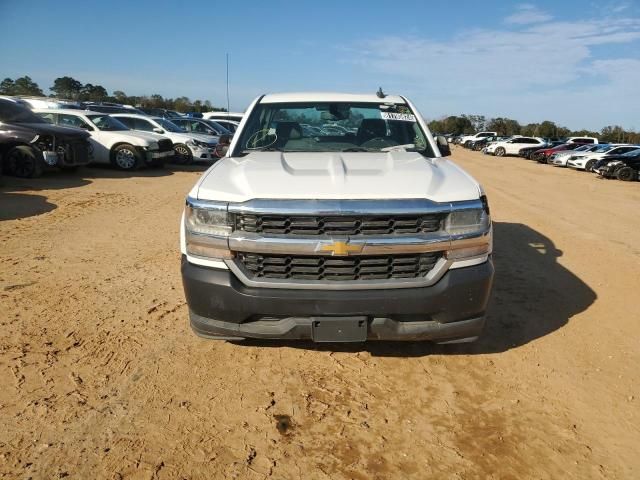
{"x": 337, "y": 208}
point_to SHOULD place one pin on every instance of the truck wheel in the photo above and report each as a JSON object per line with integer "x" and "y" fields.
{"x": 22, "y": 162}
{"x": 126, "y": 157}
{"x": 500, "y": 151}
{"x": 589, "y": 165}
{"x": 183, "y": 154}
{"x": 467, "y": 144}
{"x": 626, "y": 174}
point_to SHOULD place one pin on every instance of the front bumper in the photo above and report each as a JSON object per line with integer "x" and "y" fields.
{"x": 221, "y": 306}
{"x": 203, "y": 153}
{"x": 151, "y": 156}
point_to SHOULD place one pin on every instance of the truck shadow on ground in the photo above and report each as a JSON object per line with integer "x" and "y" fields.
{"x": 533, "y": 296}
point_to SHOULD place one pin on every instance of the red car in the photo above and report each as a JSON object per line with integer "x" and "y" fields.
{"x": 543, "y": 155}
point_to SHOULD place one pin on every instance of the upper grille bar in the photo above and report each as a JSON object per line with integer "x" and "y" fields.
{"x": 337, "y": 225}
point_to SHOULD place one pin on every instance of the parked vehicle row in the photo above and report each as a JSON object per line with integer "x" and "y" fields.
{"x": 608, "y": 160}
{"x": 36, "y": 134}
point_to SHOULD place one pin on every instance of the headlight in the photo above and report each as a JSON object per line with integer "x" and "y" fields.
{"x": 207, "y": 226}
{"x": 197, "y": 143}
{"x": 152, "y": 146}
{"x": 463, "y": 222}
{"x": 211, "y": 219}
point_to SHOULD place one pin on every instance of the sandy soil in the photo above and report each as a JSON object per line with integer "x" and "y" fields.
{"x": 101, "y": 376}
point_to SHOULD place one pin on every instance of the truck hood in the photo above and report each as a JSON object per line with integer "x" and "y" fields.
{"x": 328, "y": 175}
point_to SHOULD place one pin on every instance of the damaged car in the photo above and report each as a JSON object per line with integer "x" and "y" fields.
{"x": 29, "y": 145}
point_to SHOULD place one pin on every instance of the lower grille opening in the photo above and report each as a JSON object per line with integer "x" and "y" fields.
{"x": 322, "y": 268}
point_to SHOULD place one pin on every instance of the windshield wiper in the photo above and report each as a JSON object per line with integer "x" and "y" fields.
{"x": 355, "y": 149}
{"x": 263, "y": 149}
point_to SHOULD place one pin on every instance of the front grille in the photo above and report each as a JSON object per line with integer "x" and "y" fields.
{"x": 165, "y": 145}
{"x": 326, "y": 225}
{"x": 378, "y": 267}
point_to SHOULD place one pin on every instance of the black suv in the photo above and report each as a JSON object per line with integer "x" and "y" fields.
{"x": 28, "y": 144}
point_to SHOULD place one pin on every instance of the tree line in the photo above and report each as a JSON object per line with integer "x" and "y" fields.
{"x": 71, "y": 89}
{"x": 463, "y": 124}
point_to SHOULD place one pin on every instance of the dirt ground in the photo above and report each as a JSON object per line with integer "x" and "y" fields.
{"x": 101, "y": 376}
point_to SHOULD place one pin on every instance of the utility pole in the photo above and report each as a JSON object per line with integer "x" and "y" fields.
{"x": 227, "y": 82}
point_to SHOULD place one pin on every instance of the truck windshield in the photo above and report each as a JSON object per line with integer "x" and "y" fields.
{"x": 333, "y": 127}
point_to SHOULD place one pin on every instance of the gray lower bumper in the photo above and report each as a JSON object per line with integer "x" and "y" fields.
{"x": 451, "y": 309}
{"x": 297, "y": 328}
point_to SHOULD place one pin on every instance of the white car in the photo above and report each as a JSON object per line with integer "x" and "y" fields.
{"x": 188, "y": 146}
{"x": 111, "y": 141}
{"x": 560, "y": 159}
{"x": 233, "y": 116}
{"x": 586, "y": 161}
{"x": 476, "y": 136}
{"x": 336, "y": 237}
{"x": 513, "y": 145}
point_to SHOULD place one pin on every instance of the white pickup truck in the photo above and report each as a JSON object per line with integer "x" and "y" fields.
{"x": 366, "y": 233}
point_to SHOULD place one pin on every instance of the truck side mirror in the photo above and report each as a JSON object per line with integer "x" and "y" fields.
{"x": 223, "y": 146}
{"x": 443, "y": 146}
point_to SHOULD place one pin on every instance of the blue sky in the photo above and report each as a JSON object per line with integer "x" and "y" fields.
{"x": 574, "y": 62}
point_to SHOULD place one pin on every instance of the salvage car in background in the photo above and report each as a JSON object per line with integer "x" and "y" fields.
{"x": 529, "y": 152}
{"x": 587, "y": 161}
{"x": 513, "y": 145}
{"x": 624, "y": 167}
{"x": 560, "y": 159}
{"x": 28, "y": 144}
{"x": 113, "y": 143}
{"x": 201, "y": 126}
{"x": 188, "y": 146}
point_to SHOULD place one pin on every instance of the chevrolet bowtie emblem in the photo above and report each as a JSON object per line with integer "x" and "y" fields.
{"x": 341, "y": 248}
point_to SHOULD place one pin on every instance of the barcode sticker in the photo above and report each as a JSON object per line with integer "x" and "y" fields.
{"x": 405, "y": 117}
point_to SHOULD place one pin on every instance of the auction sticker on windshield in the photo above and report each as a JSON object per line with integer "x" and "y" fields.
{"x": 405, "y": 117}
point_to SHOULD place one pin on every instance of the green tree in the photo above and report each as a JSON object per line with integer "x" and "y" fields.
{"x": 119, "y": 96}
{"x": 504, "y": 126}
{"x": 26, "y": 86}
{"x": 94, "y": 93}
{"x": 7, "y": 86}
{"x": 66, "y": 87}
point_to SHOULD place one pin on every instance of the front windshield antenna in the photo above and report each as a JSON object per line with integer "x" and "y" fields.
{"x": 380, "y": 93}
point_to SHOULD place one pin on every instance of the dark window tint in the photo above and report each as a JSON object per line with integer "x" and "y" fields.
{"x": 129, "y": 122}
{"x": 140, "y": 124}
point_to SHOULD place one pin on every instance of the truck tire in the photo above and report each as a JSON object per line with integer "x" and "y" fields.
{"x": 626, "y": 174}
{"x": 183, "y": 154}
{"x": 23, "y": 162}
{"x": 126, "y": 157}
{"x": 500, "y": 151}
{"x": 589, "y": 165}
